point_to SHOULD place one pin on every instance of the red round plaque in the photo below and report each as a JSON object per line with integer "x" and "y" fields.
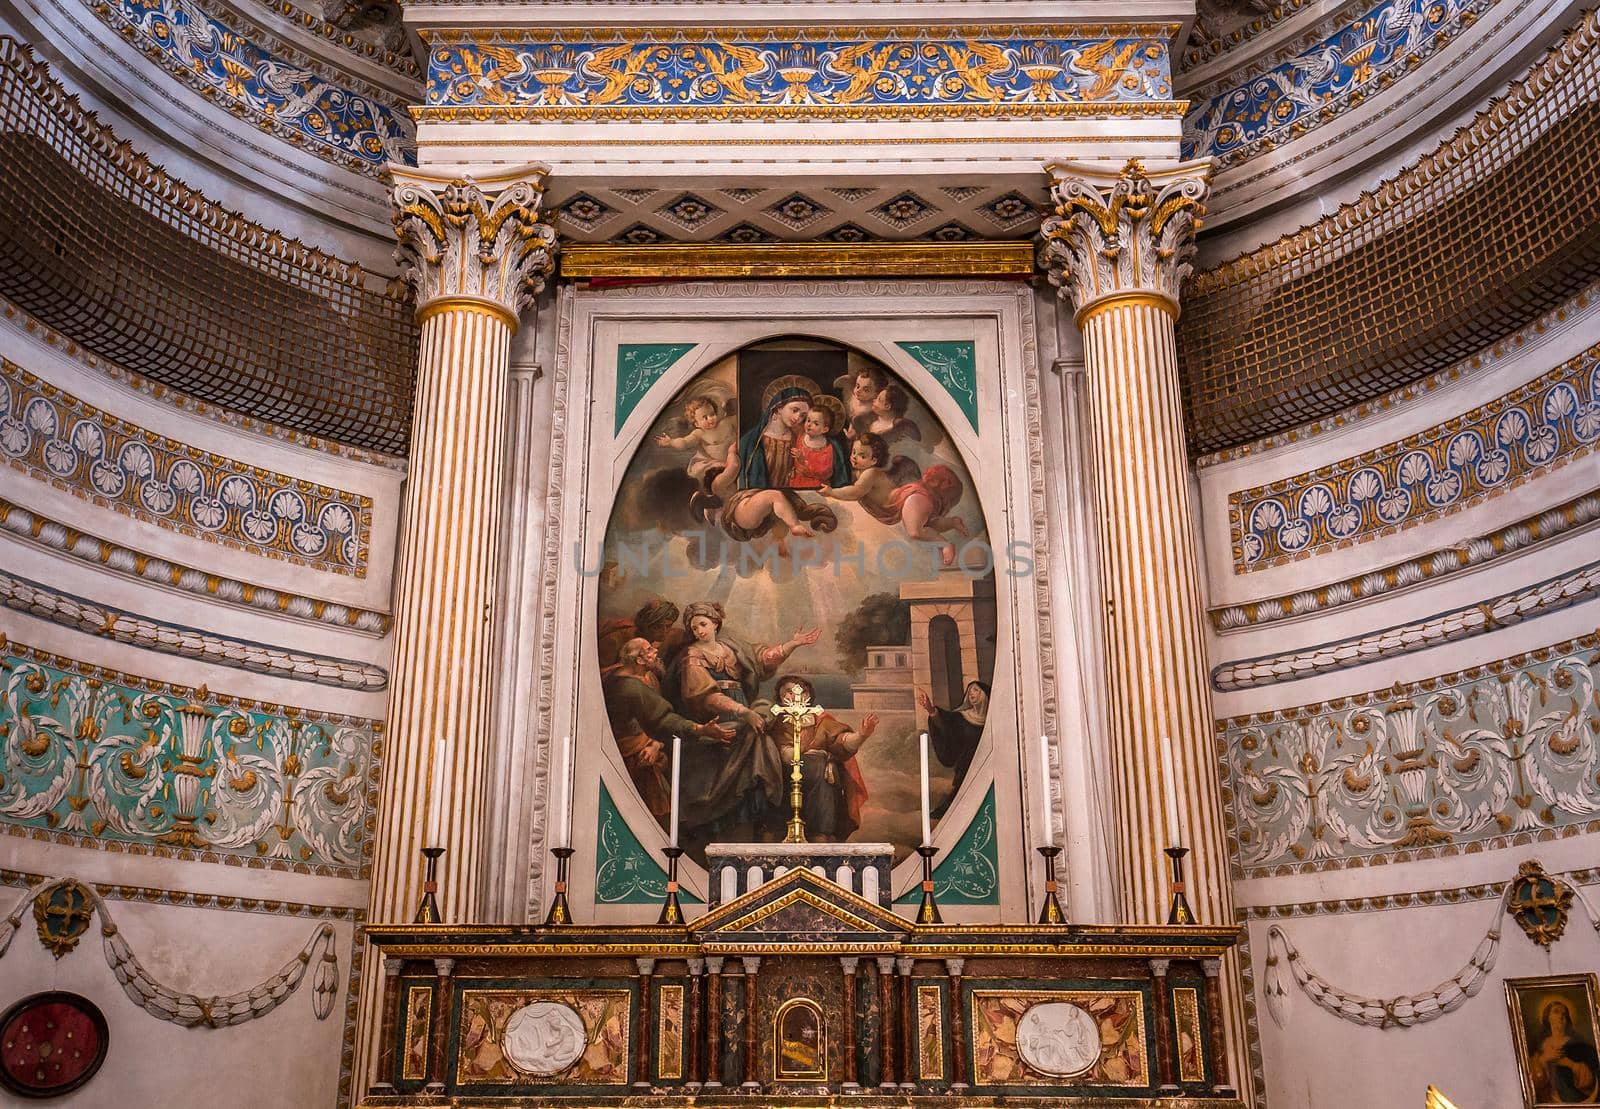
{"x": 51, "y": 1043}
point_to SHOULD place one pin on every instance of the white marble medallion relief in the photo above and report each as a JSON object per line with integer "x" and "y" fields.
{"x": 544, "y": 1038}
{"x": 1058, "y": 1038}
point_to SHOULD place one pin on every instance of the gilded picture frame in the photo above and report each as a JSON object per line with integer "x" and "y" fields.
{"x": 1555, "y": 1031}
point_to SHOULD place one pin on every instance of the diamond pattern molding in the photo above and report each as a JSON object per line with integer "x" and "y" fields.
{"x": 888, "y": 213}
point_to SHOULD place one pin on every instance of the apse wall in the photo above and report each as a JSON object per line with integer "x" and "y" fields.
{"x": 196, "y": 601}
{"x": 1402, "y": 583}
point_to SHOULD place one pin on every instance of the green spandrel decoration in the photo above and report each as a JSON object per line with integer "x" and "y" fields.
{"x": 639, "y": 366}
{"x": 955, "y": 366}
{"x": 625, "y": 873}
{"x": 970, "y": 872}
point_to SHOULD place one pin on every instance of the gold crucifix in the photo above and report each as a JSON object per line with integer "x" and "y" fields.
{"x": 800, "y": 713}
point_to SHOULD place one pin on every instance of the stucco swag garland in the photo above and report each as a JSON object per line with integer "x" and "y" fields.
{"x": 184, "y": 1009}
{"x": 1402, "y": 1011}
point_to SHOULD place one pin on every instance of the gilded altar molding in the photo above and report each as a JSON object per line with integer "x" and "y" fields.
{"x": 35, "y": 528}
{"x": 1132, "y": 235}
{"x": 53, "y": 436}
{"x": 704, "y": 260}
{"x": 475, "y": 243}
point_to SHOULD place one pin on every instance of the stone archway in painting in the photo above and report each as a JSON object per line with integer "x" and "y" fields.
{"x": 790, "y": 527}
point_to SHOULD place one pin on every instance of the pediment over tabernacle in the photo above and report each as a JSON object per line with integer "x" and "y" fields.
{"x": 801, "y": 909}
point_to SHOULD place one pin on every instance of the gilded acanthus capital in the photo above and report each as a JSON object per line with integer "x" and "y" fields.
{"x": 1128, "y": 234}
{"x": 474, "y": 239}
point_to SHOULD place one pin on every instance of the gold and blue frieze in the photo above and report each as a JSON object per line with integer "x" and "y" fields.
{"x": 872, "y": 72}
{"x": 224, "y": 57}
{"x": 1345, "y": 61}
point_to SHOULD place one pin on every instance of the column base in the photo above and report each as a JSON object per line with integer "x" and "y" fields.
{"x": 754, "y": 1087}
{"x": 1168, "y": 1090}
{"x": 850, "y": 1088}
{"x": 713, "y": 1085}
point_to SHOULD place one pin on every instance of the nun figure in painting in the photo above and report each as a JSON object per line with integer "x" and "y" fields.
{"x": 731, "y": 788}
{"x": 954, "y": 733}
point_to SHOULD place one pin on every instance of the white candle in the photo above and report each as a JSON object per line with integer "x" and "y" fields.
{"x": 560, "y": 811}
{"x": 1049, "y": 824}
{"x": 677, "y": 745}
{"x": 1170, "y": 792}
{"x": 927, "y": 831}
{"x": 436, "y": 792}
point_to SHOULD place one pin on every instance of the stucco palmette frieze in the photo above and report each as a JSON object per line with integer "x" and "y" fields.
{"x": 463, "y": 237}
{"x": 1128, "y": 234}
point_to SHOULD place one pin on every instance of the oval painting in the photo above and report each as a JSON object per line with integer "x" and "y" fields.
{"x": 796, "y": 561}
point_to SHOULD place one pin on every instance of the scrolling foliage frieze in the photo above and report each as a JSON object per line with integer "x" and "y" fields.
{"x": 868, "y": 72}
{"x": 89, "y": 756}
{"x": 1503, "y": 753}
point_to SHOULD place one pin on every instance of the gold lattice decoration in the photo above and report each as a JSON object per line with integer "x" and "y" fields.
{"x": 1498, "y": 225}
{"x": 149, "y": 275}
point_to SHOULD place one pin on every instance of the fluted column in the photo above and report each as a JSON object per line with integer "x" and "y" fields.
{"x": 476, "y": 252}
{"x": 1119, "y": 248}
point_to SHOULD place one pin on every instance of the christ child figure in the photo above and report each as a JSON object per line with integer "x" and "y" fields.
{"x": 818, "y": 453}
{"x": 831, "y": 787}
{"x": 710, "y": 438}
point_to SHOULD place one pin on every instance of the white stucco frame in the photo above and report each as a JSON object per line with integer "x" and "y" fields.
{"x": 585, "y": 459}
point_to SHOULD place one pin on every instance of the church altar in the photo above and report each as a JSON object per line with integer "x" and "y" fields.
{"x": 804, "y": 991}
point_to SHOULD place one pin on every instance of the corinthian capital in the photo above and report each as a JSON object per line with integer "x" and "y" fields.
{"x": 473, "y": 239}
{"x": 1132, "y": 234}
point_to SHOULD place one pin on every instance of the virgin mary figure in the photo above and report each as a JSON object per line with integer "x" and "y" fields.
{"x": 766, "y": 452}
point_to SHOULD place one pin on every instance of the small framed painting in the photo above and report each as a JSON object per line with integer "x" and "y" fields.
{"x": 1555, "y": 1028}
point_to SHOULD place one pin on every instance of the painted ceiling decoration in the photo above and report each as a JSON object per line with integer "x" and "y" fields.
{"x": 225, "y": 58}
{"x": 879, "y": 73}
{"x": 1233, "y": 120}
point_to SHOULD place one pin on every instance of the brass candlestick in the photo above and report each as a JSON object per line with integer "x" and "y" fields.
{"x": 559, "y": 913}
{"x": 428, "y": 907}
{"x": 797, "y": 824}
{"x": 671, "y": 911}
{"x": 928, "y": 911}
{"x": 1050, "y": 912}
{"x": 1179, "y": 913}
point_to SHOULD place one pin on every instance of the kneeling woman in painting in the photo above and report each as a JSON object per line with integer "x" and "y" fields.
{"x": 832, "y": 789}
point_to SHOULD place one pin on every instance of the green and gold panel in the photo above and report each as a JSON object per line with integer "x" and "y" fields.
{"x": 510, "y": 1035}
{"x": 1027, "y": 1036}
